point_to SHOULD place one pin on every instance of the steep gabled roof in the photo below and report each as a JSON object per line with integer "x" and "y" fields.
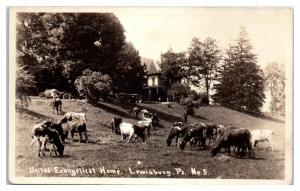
{"x": 152, "y": 66}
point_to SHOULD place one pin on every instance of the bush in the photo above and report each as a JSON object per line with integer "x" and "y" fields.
{"x": 178, "y": 91}
{"x": 203, "y": 99}
{"x": 93, "y": 85}
{"x": 24, "y": 84}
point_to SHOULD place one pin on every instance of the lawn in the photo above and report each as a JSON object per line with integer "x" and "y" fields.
{"x": 106, "y": 155}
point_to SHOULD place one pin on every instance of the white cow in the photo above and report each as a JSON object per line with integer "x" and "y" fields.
{"x": 260, "y": 135}
{"x": 128, "y": 129}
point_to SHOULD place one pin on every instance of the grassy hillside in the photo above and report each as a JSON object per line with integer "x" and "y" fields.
{"x": 106, "y": 150}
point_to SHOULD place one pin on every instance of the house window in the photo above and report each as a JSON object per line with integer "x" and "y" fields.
{"x": 153, "y": 81}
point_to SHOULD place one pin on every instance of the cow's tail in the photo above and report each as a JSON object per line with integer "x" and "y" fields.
{"x": 34, "y": 139}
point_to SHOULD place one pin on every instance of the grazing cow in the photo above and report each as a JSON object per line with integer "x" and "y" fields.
{"x": 53, "y": 125}
{"x": 195, "y": 135}
{"x": 146, "y": 124}
{"x": 128, "y": 129}
{"x": 177, "y": 131}
{"x": 237, "y": 137}
{"x": 211, "y": 132}
{"x": 56, "y": 105}
{"x": 220, "y": 130}
{"x": 260, "y": 135}
{"x": 77, "y": 127}
{"x": 71, "y": 116}
{"x": 44, "y": 134}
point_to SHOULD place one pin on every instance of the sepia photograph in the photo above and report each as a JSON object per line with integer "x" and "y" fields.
{"x": 150, "y": 95}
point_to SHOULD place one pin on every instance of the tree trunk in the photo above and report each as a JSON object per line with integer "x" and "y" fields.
{"x": 207, "y": 89}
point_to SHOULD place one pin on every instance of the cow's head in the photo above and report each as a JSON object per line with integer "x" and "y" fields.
{"x": 214, "y": 151}
{"x": 175, "y": 131}
{"x": 219, "y": 144}
{"x": 182, "y": 144}
{"x": 63, "y": 120}
{"x": 116, "y": 125}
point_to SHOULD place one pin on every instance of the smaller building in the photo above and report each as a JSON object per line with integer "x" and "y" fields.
{"x": 154, "y": 90}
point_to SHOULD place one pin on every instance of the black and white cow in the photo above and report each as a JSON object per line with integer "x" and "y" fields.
{"x": 43, "y": 133}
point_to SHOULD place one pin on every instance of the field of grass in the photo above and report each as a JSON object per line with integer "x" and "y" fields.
{"x": 107, "y": 156}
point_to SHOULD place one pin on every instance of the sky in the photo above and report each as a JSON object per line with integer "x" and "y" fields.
{"x": 154, "y": 30}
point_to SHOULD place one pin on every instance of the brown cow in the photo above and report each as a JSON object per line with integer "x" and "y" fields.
{"x": 237, "y": 137}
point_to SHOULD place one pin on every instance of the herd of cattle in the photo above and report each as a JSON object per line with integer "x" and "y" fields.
{"x": 204, "y": 135}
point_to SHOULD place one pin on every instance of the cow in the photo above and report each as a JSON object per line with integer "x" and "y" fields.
{"x": 50, "y": 93}
{"x": 211, "y": 132}
{"x": 146, "y": 124}
{"x": 146, "y": 121}
{"x": 155, "y": 120}
{"x": 260, "y": 135}
{"x": 56, "y": 105}
{"x": 128, "y": 129}
{"x": 195, "y": 134}
{"x": 53, "y": 125}
{"x": 221, "y": 129}
{"x": 177, "y": 131}
{"x": 77, "y": 116}
{"x": 114, "y": 122}
{"x": 43, "y": 134}
{"x": 237, "y": 137}
{"x": 76, "y": 127}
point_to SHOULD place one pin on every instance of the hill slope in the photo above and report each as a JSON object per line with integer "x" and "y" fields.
{"x": 106, "y": 150}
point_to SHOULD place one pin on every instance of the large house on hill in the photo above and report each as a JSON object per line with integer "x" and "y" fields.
{"x": 154, "y": 89}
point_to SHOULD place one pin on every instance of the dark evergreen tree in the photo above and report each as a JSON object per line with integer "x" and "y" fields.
{"x": 241, "y": 82}
{"x": 131, "y": 74}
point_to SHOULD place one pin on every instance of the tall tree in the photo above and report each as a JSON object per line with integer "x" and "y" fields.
{"x": 93, "y": 41}
{"x": 38, "y": 42}
{"x": 131, "y": 74}
{"x": 275, "y": 82}
{"x": 172, "y": 67}
{"x": 56, "y": 47}
{"x": 241, "y": 84}
{"x": 203, "y": 62}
